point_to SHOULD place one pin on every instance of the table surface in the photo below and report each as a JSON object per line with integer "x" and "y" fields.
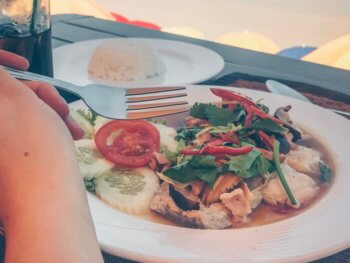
{"x": 326, "y": 86}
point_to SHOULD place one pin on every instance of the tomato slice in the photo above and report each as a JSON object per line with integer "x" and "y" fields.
{"x": 129, "y": 143}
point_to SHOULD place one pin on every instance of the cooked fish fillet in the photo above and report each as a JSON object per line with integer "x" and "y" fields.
{"x": 215, "y": 216}
{"x": 302, "y": 186}
{"x": 304, "y": 160}
{"x": 238, "y": 202}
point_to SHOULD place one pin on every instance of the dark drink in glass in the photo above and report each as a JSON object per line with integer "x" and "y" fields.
{"x": 27, "y": 32}
{"x": 37, "y": 49}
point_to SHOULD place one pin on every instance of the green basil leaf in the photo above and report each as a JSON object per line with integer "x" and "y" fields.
{"x": 198, "y": 110}
{"x": 201, "y": 167}
{"x": 267, "y": 125}
{"x": 218, "y": 116}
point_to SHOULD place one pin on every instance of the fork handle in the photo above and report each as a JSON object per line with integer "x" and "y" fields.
{"x": 60, "y": 84}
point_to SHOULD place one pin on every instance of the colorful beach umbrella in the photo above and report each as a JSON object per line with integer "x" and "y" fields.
{"x": 334, "y": 53}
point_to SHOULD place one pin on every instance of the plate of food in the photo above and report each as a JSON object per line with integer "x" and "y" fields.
{"x": 135, "y": 62}
{"x": 257, "y": 177}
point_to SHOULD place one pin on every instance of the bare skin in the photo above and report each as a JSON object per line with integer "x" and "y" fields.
{"x": 43, "y": 203}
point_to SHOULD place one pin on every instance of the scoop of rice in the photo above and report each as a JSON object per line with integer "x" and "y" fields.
{"x": 124, "y": 60}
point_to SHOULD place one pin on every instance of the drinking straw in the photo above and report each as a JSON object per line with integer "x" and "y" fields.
{"x": 32, "y": 21}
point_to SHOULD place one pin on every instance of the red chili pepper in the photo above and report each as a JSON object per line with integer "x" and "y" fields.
{"x": 216, "y": 142}
{"x": 263, "y": 115}
{"x": 230, "y": 136}
{"x": 189, "y": 151}
{"x": 213, "y": 150}
{"x": 216, "y": 150}
{"x": 249, "y": 118}
{"x": 231, "y": 95}
{"x": 266, "y": 139}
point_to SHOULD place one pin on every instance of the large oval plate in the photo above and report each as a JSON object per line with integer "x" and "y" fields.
{"x": 317, "y": 232}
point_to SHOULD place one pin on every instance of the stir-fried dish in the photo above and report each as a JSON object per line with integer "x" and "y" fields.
{"x": 230, "y": 159}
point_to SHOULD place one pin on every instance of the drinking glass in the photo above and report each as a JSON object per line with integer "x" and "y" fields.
{"x": 25, "y": 29}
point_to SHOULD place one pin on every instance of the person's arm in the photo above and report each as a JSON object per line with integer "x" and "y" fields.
{"x": 43, "y": 205}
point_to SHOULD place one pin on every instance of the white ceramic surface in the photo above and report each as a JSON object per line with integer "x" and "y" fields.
{"x": 185, "y": 63}
{"x": 317, "y": 232}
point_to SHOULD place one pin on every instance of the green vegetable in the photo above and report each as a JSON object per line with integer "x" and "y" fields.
{"x": 90, "y": 185}
{"x": 249, "y": 165}
{"x": 239, "y": 115}
{"x": 87, "y": 115}
{"x": 326, "y": 173}
{"x": 171, "y": 156}
{"x": 202, "y": 167}
{"x": 180, "y": 145}
{"x": 187, "y": 134}
{"x": 267, "y": 125}
{"x": 280, "y": 174}
{"x": 224, "y": 129}
{"x": 216, "y": 116}
{"x": 198, "y": 110}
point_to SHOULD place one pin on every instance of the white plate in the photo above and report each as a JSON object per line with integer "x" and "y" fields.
{"x": 317, "y": 232}
{"x": 185, "y": 63}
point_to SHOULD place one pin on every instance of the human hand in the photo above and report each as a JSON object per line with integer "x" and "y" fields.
{"x": 42, "y": 194}
{"x": 44, "y": 91}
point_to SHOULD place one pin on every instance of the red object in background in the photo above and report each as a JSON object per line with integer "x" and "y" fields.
{"x": 123, "y": 19}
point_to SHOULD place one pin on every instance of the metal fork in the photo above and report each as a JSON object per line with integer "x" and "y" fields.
{"x": 118, "y": 103}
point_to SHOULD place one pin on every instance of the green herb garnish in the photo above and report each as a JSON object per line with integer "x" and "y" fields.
{"x": 198, "y": 110}
{"x": 187, "y": 134}
{"x": 249, "y": 165}
{"x": 87, "y": 115}
{"x": 280, "y": 174}
{"x": 267, "y": 125}
{"x": 216, "y": 116}
{"x": 201, "y": 167}
{"x": 90, "y": 185}
{"x": 326, "y": 174}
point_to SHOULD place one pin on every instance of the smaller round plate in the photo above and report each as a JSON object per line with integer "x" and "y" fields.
{"x": 185, "y": 63}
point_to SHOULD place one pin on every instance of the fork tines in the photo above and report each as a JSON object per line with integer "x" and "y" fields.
{"x": 158, "y": 101}
{"x": 143, "y": 91}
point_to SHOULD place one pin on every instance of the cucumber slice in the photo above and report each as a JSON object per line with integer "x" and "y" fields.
{"x": 129, "y": 190}
{"x": 91, "y": 163}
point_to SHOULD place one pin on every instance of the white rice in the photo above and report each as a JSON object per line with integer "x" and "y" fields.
{"x": 125, "y": 60}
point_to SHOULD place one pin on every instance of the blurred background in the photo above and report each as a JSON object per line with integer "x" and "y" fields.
{"x": 314, "y": 30}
